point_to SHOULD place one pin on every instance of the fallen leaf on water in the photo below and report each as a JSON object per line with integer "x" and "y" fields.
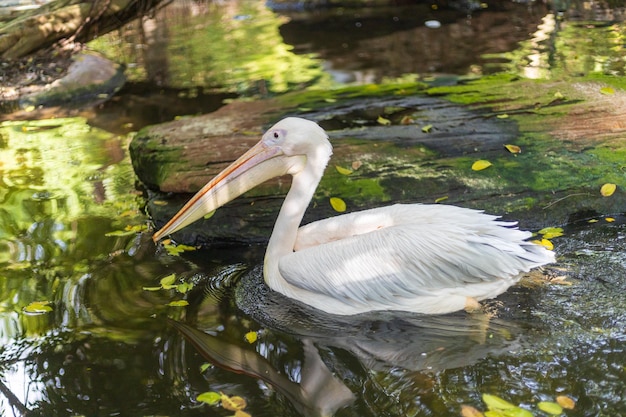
{"x": 152, "y": 288}
{"x": 38, "y": 307}
{"x": 381, "y": 120}
{"x": 502, "y": 116}
{"x": 176, "y": 250}
{"x": 209, "y": 215}
{"x": 119, "y": 233}
{"x": 480, "y": 165}
{"x": 406, "y": 120}
{"x": 609, "y": 219}
{"x": 178, "y": 303}
{"x": 251, "y": 337}
{"x": 338, "y": 204}
{"x": 203, "y": 368}
{"x": 592, "y": 221}
{"x": 342, "y": 170}
{"x": 550, "y": 407}
{"x": 440, "y": 199}
{"x": 168, "y": 280}
{"x": 545, "y": 243}
{"x": 210, "y": 397}
{"x": 502, "y": 408}
{"x": 551, "y": 232}
{"x": 184, "y": 287}
{"x": 469, "y": 411}
{"x": 427, "y": 128}
{"x": 608, "y": 189}
{"x": 565, "y": 402}
{"x": 159, "y": 203}
{"x": 128, "y": 230}
{"x": 513, "y": 148}
{"x": 233, "y": 403}
{"x": 558, "y": 95}
{"x": 607, "y": 91}
{"x": 496, "y": 403}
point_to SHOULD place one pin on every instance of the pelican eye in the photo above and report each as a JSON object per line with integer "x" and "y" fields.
{"x": 276, "y": 135}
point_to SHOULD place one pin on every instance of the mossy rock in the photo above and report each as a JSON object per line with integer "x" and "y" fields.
{"x": 402, "y": 145}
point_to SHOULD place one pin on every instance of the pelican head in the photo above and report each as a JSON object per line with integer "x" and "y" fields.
{"x": 286, "y": 148}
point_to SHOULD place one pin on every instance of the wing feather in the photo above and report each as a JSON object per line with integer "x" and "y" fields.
{"x": 421, "y": 250}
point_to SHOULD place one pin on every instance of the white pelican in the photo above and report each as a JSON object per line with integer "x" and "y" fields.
{"x": 420, "y": 258}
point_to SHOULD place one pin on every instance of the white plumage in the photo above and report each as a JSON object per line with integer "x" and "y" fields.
{"x": 421, "y": 258}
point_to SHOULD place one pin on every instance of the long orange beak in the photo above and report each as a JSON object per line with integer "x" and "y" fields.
{"x": 259, "y": 164}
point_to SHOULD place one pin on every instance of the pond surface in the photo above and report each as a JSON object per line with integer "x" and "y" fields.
{"x": 90, "y": 316}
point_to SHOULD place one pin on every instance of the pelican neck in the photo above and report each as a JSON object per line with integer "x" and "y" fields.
{"x": 285, "y": 232}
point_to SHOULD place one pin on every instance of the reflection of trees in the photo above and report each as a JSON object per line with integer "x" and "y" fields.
{"x": 59, "y": 195}
{"x": 234, "y": 46}
{"x": 70, "y": 373}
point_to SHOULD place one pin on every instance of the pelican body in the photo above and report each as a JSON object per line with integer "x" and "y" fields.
{"x": 429, "y": 259}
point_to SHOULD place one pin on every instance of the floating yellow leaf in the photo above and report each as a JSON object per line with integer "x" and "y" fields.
{"x": 178, "y": 303}
{"x": 607, "y": 91}
{"x": 565, "y": 402}
{"x": 469, "y": 411}
{"x": 440, "y": 199}
{"x": 152, "y": 288}
{"x": 338, "y": 204}
{"x": 550, "y": 407}
{"x": 406, "y": 120}
{"x": 38, "y": 307}
{"x": 233, "y": 403}
{"x": 128, "y": 230}
{"x": 592, "y": 221}
{"x": 480, "y": 165}
{"x": 209, "y": 215}
{"x": 502, "y": 116}
{"x": 545, "y": 243}
{"x": 502, "y": 408}
{"x": 342, "y": 170}
{"x": 609, "y": 219}
{"x": 250, "y": 337}
{"x": 159, "y": 203}
{"x": 168, "y": 280}
{"x": 427, "y": 128}
{"x": 203, "y": 369}
{"x": 496, "y": 403}
{"x": 176, "y": 250}
{"x": 330, "y": 100}
{"x": 381, "y": 120}
{"x": 210, "y": 397}
{"x": 608, "y": 189}
{"x": 551, "y": 232}
{"x": 184, "y": 287}
{"x": 558, "y": 95}
{"x": 513, "y": 148}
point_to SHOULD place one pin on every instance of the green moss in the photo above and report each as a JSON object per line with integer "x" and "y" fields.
{"x": 319, "y": 98}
